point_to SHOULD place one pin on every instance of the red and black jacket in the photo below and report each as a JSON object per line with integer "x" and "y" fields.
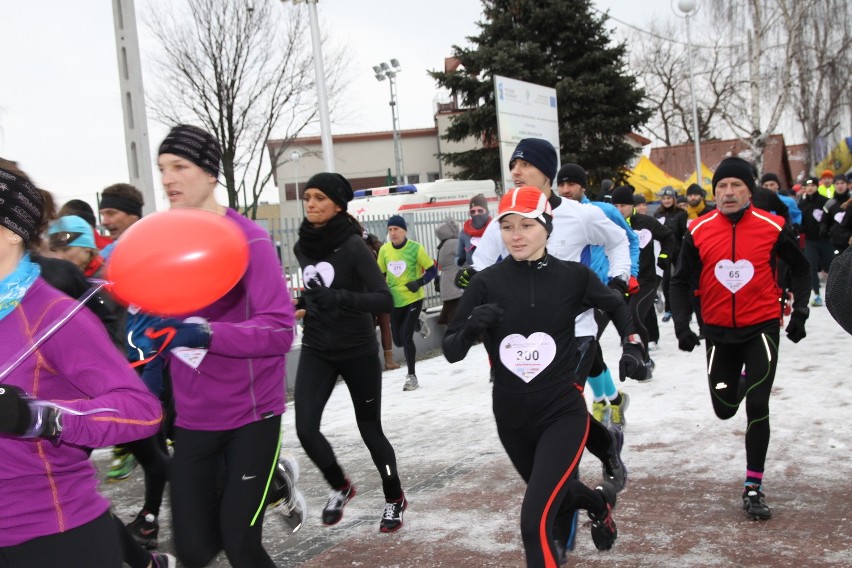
{"x": 729, "y": 263}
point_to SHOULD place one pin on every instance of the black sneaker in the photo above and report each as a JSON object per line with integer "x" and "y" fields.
{"x": 145, "y": 529}
{"x": 613, "y": 468}
{"x": 337, "y": 499}
{"x": 604, "y": 531}
{"x": 392, "y": 515}
{"x": 754, "y": 503}
{"x": 163, "y": 560}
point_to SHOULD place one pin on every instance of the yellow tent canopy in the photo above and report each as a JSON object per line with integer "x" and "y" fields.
{"x": 838, "y": 160}
{"x": 648, "y": 179}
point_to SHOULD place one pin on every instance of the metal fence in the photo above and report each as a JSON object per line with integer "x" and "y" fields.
{"x": 421, "y": 228}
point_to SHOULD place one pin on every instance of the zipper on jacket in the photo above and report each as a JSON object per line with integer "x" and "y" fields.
{"x": 733, "y": 260}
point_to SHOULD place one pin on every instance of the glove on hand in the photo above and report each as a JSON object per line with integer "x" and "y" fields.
{"x": 619, "y": 286}
{"x": 632, "y": 285}
{"x": 632, "y": 362}
{"x": 326, "y": 299}
{"x": 463, "y": 277}
{"x": 796, "y": 328}
{"x": 687, "y": 340}
{"x": 482, "y": 317}
{"x": 414, "y": 285}
{"x": 26, "y": 417}
{"x": 194, "y": 335}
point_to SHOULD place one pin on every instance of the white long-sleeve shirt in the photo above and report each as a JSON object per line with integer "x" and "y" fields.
{"x": 575, "y": 226}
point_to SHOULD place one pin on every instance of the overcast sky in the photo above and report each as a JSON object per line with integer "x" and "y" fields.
{"x": 60, "y": 108}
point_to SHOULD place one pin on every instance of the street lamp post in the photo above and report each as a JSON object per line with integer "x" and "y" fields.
{"x": 322, "y": 93}
{"x": 295, "y": 156}
{"x": 384, "y": 71}
{"x": 688, "y": 9}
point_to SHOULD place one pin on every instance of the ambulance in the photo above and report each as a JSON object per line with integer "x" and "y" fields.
{"x": 441, "y": 196}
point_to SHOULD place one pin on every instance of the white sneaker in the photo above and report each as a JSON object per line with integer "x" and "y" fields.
{"x": 652, "y": 346}
{"x": 410, "y": 383}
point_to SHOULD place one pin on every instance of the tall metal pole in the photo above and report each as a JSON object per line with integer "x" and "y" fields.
{"x": 698, "y": 177}
{"x": 137, "y": 144}
{"x": 322, "y": 93}
{"x": 397, "y": 142}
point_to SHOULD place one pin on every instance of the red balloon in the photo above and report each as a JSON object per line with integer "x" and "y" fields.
{"x": 178, "y": 261}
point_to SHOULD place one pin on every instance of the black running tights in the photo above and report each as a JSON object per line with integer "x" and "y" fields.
{"x": 403, "y": 323}
{"x": 315, "y": 381}
{"x": 219, "y": 484}
{"x": 724, "y": 366}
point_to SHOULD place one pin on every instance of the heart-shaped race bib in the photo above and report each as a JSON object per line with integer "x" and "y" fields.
{"x": 645, "y": 237}
{"x": 734, "y": 275}
{"x": 817, "y": 213}
{"x": 397, "y": 267}
{"x": 838, "y": 217}
{"x": 319, "y": 276}
{"x": 526, "y": 357}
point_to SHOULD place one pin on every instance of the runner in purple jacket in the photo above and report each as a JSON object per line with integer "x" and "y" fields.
{"x": 73, "y": 392}
{"x": 229, "y": 406}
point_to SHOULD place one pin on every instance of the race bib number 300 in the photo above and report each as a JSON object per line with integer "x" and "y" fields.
{"x": 526, "y": 357}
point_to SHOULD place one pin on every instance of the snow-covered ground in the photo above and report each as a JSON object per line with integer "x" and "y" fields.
{"x": 446, "y": 443}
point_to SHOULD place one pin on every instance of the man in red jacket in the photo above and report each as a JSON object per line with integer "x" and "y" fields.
{"x": 728, "y": 258}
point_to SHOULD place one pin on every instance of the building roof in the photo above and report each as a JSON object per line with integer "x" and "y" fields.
{"x": 679, "y": 160}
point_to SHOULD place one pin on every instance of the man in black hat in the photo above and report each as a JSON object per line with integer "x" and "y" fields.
{"x": 727, "y": 256}
{"x": 695, "y": 198}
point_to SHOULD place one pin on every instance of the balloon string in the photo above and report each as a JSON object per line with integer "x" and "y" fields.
{"x": 169, "y": 332}
{"x": 54, "y": 327}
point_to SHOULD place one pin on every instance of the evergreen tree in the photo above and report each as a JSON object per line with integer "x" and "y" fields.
{"x": 555, "y": 43}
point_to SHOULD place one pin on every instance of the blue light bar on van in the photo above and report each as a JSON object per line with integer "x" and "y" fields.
{"x": 375, "y": 192}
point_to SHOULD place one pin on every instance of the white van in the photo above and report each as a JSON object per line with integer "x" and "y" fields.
{"x": 443, "y": 195}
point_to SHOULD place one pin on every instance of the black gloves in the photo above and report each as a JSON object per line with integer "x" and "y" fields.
{"x": 632, "y": 362}
{"x": 463, "y": 277}
{"x": 194, "y": 335}
{"x": 796, "y": 328}
{"x": 619, "y": 285}
{"x": 326, "y": 299}
{"x": 663, "y": 262}
{"x": 687, "y": 340}
{"x": 27, "y": 417}
{"x": 482, "y": 317}
{"x": 415, "y": 285}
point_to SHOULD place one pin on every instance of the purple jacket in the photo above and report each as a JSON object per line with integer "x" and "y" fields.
{"x": 47, "y": 487}
{"x": 242, "y": 377}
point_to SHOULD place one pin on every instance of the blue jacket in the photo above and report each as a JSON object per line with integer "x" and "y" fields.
{"x": 596, "y": 259}
{"x": 792, "y": 208}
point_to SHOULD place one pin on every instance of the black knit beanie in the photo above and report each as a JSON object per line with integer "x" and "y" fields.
{"x": 538, "y": 152}
{"x": 21, "y": 205}
{"x": 335, "y": 186}
{"x": 572, "y": 173}
{"x": 622, "y": 195}
{"x": 193, "y": 144}
{"x": 734, "y": 167}
{"x": 769, "y": 176}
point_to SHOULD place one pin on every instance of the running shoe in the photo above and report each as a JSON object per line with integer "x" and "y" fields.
{"x": 392, "y": 515}
{"x": 410, "y": 383}
{"x": 604, "y": 531}
{"x": 754, "y": 503}
{"x": 121, "y": 466}
{"x": 617, "y": 417}
{"x": 145, "y": 529}
{"x": 817, "y": 303}
{"x": 163, "y": 560}
{"x": 601, "y": 412}
{"x": 337, "y": 500}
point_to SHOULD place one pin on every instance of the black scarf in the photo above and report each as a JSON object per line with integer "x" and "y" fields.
{"x": 319, "y": 242}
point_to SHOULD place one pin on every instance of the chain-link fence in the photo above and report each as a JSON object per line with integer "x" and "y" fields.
{"x": 421, "y": 228}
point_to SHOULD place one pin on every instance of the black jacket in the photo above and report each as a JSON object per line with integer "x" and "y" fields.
{"x": 647, "y": 259}
{"x": 812, "y": 213}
